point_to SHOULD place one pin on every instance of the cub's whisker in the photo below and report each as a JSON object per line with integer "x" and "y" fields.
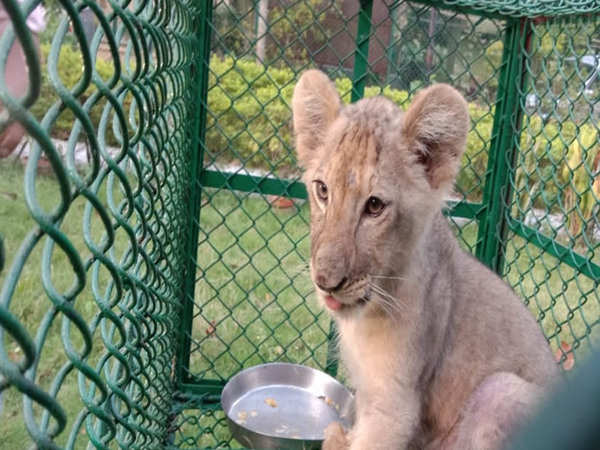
{"x": 388, "y": 277}
{"x": 387, "y": 301}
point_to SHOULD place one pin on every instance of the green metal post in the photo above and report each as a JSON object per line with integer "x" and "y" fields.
{"x": 198, "y": 143}
{"x": 515, "y": 121}
{"x": 361, "y": 55}
{"x": 491, "y": 240}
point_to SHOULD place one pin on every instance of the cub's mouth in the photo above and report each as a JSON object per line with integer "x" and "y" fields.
{"x": 334, "y": 304}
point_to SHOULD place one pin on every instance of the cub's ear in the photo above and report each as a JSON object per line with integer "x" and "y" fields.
{"x": 436, "y": 127}
{"x": 315, "y": 105}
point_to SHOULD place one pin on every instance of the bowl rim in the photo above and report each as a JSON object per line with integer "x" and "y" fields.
{"x": 233, "y": 425}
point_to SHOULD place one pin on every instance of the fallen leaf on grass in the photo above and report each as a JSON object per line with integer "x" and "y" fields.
{"x": 565, "y": 353}
{"x": 283, "y": 202}
{"x": 212, "y": 328}
{"x": 9, "y": 195}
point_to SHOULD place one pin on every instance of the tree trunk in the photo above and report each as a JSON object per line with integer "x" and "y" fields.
{"x": 430, "y": 35}
{"x": 261, "y": 29}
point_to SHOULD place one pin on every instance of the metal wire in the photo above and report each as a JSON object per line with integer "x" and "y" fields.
{"x": 130, "y": 215}
{"x": 161, "y": 240}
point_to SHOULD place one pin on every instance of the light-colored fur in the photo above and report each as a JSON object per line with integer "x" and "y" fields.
{"x": 441, "y": 352}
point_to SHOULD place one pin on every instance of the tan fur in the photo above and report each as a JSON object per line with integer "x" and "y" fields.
{"x": 426, "y": 331}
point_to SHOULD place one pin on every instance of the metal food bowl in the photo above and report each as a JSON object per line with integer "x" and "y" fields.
{"x": 283, "y": 405}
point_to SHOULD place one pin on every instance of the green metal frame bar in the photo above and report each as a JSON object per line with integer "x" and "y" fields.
{"x": 249, "y": 183}
{"x": 201, "y": 387}
{"x": 515, "y": 121}
{"x": 497, "y": 191}
{"x": 566, "y": 255}
{"x": 296, "y": 189}
{"x": 361, "y": 55}
{"x": 198, "y": 145}
{"x": 462, "y": 10}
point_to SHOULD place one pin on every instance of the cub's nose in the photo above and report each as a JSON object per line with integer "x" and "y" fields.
{"x": 329, "y": 285}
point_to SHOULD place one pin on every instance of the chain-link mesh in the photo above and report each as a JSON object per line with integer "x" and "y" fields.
{"x": 253, "y": 299}
{"x": 93, "y": 227}
{"x": 553, "y": 234}
{"x": 156, "y": 241}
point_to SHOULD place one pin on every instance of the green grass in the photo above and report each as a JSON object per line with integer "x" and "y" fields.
{"x": 254, "y": 301}
{"x": 29, "y": 302}
{"x": 566, "y": 303}
{"x": 253, "y": 288}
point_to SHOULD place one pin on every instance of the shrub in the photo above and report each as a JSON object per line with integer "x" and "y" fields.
{"x": 249, "y": 107}
{"x": 249, "y": 123}
{"x": 291, "y": 26}
{"x": 580, "y": 194}
{"x": 249, "y": 113}
{"x": 70, "y": 70}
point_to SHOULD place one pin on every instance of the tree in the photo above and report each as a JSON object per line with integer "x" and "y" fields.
{"x": 262, "y": 13}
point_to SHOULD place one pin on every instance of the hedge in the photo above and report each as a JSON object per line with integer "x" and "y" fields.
{"x": 70, "y": 70}
{"x": 249, "y": 123}
{"x": 249, "y": 118}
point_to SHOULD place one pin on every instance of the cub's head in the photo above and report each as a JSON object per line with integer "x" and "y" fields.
{"x": 376, "y": 176}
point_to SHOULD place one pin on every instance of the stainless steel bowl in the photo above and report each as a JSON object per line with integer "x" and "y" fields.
{"x": 283, "y": 405}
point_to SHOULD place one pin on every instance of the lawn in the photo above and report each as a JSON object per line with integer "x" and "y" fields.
{"x": 253, "y": 298}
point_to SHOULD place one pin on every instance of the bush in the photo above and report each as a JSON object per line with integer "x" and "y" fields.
{"x": 581, "y": 192}
{"x": 249, "y": 123}
{"x": 70, "y": 71}
{"x": 292, "y": 26}
{"x": 249, "y": 118}
{"x": 249, "y": 113}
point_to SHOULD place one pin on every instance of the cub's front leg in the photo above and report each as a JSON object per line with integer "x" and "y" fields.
{"x": 335, "y": 437}
{"x": 384, "y": 420}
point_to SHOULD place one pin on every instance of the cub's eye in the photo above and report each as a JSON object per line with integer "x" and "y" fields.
{"x": 321, "y": 190}
{"x": 374, "y": 206}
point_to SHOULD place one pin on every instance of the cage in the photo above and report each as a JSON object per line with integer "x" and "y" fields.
{"x": 153, "y": 226}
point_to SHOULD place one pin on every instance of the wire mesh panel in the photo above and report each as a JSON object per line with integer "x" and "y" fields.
{"x": 553, "y": 235}
{"x": 153, "y": 229}
{"x": 253, "y": 300}
{"x": 93, "y": 218}
{"x": 253, "y": 294}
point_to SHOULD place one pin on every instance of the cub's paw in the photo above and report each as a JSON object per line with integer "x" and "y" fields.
{"x": 335, "y": 437}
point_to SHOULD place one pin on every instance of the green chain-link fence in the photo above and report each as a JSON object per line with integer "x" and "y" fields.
{"x": 153, "y": 229}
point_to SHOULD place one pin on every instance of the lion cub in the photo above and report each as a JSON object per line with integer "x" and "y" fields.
{"x": 441, "y": 352}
